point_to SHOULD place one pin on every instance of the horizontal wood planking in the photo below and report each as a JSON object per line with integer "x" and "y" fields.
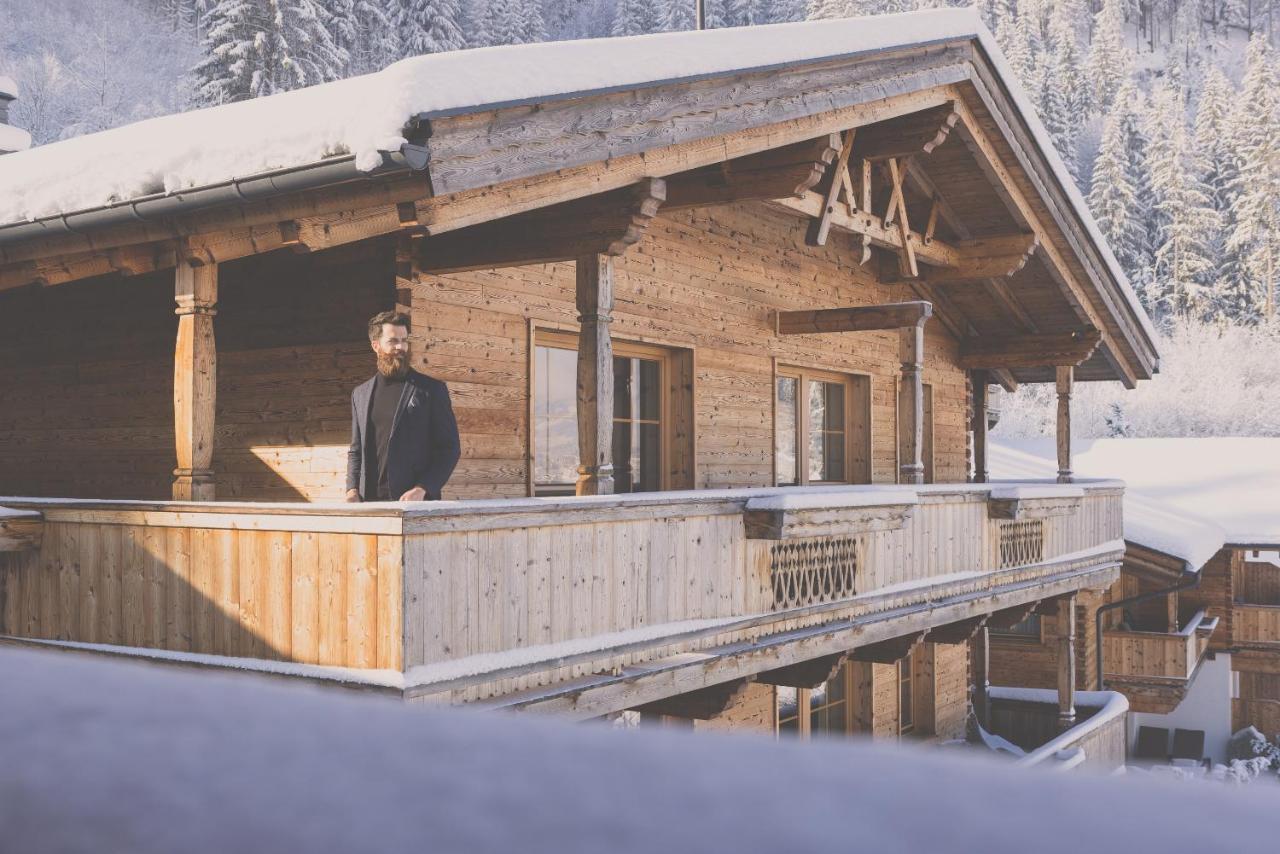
{"x": 305, "y": 596}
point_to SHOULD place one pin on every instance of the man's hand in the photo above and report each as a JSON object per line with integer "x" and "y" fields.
{"x": 415, "y": 494}
{"x": 353, "y": 495}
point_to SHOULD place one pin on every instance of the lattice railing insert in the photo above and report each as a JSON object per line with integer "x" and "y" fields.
{"x": 807, "y": 572}
{"x": 1021, "y": 543}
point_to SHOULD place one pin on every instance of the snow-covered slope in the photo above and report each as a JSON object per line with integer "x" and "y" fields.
{"x": 110, "y": 757}
{"x": 1182, "y": 493}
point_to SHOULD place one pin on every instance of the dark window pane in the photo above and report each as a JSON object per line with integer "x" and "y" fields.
{"x": 785, "y": 431}
{"x": 646, "y": 458}
{"x": 649, "y": 391}
{"x": 826, "y": 432}
{"x": 622, "y": 388}
{"x": 623, "y": 473}
{"x": 555, "y": 421}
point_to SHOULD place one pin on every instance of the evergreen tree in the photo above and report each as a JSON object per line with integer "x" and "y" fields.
{"x": 1109, "y": 62}
{"x": 504, "y": 21}
{"x": 428, "y": 26}
{"x": 636, "y": 17}
{"x": 364, "y": 31}
{"x": 259, "y": 47}
{"x": 475, "y": 23}
{"x": 533, "y": 28}
{"x": 1255, "y": 211}
{"x": 1113, "y": 198}
{"x": 679, "y": 15}
{"x": 1183, "y": 271}
{"x": 1216, "y": 166}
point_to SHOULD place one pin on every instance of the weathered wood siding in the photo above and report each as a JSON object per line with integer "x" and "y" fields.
{"x": 706, "y": 280}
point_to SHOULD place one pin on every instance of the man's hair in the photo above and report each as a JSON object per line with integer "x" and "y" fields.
{"x": 395, "y": 318}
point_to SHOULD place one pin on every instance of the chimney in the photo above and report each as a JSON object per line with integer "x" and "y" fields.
{"x": 11, "y": 138}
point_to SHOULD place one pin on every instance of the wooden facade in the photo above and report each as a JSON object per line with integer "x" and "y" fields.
{"x": 806, "y": 276}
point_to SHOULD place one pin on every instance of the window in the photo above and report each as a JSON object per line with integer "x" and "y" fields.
{"x": 1028, "y": 630}
{"x": 640, "y": 380}
{"x": 825, "y": 710}
{"x": 906, "y": 695}
{"x": 820, "y": 432}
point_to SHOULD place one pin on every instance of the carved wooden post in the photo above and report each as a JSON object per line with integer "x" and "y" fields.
{"x": 911, "y": 404}
{"x": 195, "y": 372}
{"x": 595, "y": 375}
{"x": 978, "y": 381}
{"x": 1067, "y": 660}
{"x": 1066, "y": 380}
{"x": 981, "y": 678}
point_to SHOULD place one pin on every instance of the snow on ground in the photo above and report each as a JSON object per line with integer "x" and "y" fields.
{"x": 1171, "y": 505}
{"x": 101, "y": 756}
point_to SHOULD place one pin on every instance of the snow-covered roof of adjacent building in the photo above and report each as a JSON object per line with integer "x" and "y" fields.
{"x": 108, "y": 756}
{"x": 1185, "y": 497}
{"x": 8, "y": 87}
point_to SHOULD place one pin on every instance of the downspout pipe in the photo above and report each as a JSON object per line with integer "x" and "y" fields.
{"x": 1190, "y": 579}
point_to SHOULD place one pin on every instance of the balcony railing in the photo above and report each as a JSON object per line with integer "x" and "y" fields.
{"x": 1256, "y": 625}
{"x": 1157, "y": 655}
{"x": 476, "y": 599}
{"x": 1028, "y": 718}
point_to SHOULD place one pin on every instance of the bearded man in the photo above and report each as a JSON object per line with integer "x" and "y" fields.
{"x": 404, "y": 439}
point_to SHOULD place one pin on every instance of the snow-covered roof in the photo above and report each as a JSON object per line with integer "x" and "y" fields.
{"x": 108, "y": 756}
{"x": 1185, "y": 497}
{"x": 13, "y": 139}
{"x": 365, "y": 116}
{"x": 8, "y": 87}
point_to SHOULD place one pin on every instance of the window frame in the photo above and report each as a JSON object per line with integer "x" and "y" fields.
{"x": 803, "y": 376}
{"x": 565, "y": 340}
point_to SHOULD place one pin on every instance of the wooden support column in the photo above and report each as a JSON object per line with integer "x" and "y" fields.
{"x": 1066, "y": 380}
{"x": 195, "y": 380}
{"x": 978, "y": 381}
{"x": 981, "y": 654}
{"x": 1067, "y": 660}
{"x": 595, "y": 375}
{"x": 911, "y": 405}
{"x": 1171, "y": 614}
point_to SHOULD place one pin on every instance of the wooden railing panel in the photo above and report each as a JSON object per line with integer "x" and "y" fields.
{"x": 1257, "y": 624}
{"x": 310, "y": 597}
{"x": 1166, "y": 656}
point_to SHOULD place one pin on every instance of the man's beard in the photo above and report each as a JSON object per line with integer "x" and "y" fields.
{"x": 393, "y": 366}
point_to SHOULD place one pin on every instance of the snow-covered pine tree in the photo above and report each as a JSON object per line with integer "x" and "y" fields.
{"x": 1216, "y": 166}
{"x": 475, "y": 23}
{"x": 363, "y": 30}
{"x": 533, "y": 28}
{"x": 428, "y": 26}
{"x": 1113, "y": 198}
{"x": 636, "y": 17}
{"x": 1254, "y": 234}
{"x": 1110, "y": 63}
{"x": 679, "y": 15}
{"x": 259, "y": 47}
{"x": 504, "y": 21}
{"x": 1182, "y": 276}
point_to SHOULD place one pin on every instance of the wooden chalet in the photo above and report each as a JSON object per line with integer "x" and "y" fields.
{"x": 760, "y": 307}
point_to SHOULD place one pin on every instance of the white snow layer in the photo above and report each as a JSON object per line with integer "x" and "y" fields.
{"x": 13, "y": 139}
{"x": 8, "y": 86}
{"x": 104, "y": 756}
{"x": 1185, "y": 497}
{"x": 365, "y": 115}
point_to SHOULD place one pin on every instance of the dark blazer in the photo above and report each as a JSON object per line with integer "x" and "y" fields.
{"x": 424, "y": 438}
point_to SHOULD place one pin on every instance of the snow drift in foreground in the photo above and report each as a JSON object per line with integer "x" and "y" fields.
{"x": 104, "y": 756}
{"x": 1182, "y": 494}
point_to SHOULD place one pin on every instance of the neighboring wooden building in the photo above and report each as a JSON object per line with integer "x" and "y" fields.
{"x": 803, "y": 274}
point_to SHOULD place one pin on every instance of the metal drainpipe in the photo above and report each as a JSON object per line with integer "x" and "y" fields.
{"x": 1193, "y": 580}
{"x": 701, "y": 6}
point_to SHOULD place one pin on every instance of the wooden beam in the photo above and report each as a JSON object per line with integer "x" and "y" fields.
{"x": 975, "y": 139}
{"x": 978, "y": 382}
{"x": 865, "y": 318}
{"x": 816, "y": 234}
{"x": 702, "y": 704}
{"x": 1029, "y": 351}
{"x": 778, "y": 173}
{"x": 961, "y": 632}
{"x": 889, "y": 651}
{"x": 195, "y": 368}
{"x": 595, "y": 375}
{"x": 1007, "y": 618}
{"x": 1067, "y": 662}
{"x": 916, "y": 133}
{"x": 21, "y": 530}
{"x": 906, "y": 255}
{"x": 807, "y": 674}
{"x": 1065, "y": 384}
{"x": 865, "y": 224}
{"x": 598, "y": 225}
{"x": 980, "y": 660}
{"x": 911, "y": 405}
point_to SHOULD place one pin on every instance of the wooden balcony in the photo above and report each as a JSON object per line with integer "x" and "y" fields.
{"x": 578, "y": 605}
{"x": 1256, "y": 625}
{"x": 1157, "y": 655}
{"x": 1028, "y": 718}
